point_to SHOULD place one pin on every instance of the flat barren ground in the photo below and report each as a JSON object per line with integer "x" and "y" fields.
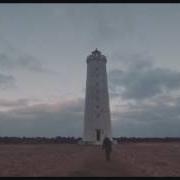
{"x": 131, "y": 159}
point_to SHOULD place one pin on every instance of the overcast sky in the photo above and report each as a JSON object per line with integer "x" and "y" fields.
{"x": 43, "y": 50}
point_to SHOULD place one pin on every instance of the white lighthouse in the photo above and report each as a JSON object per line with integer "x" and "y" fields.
{"x": 97, "y": 123}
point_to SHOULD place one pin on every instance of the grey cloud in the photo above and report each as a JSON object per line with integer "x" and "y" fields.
{"x": 66, "y": 119}
{"x": 6, "y": 81}
{"x": 141, "y": 80}
{"x": 13, "y": 103}
{"x": 132, "y": 61}
{"x": 101, "y": 28}
{"x": 5, "y": 61}
{"x": 70, "y": 106}
{"x": 30, "y": 62}
{"x": 154, "y": 92}
{"x": 158, "y": 120}
{"x": 131, "y": 129}
{"x": 8, "y": 61}
{"x": 12, "y": 58}
{"x": 61, "y": 119}
{"x": 74, "y": 106}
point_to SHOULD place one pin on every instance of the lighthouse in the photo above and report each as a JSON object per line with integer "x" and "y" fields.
{"x": 97, "y": 123}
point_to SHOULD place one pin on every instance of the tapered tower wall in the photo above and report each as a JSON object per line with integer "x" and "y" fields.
{"x": 97, "y": 123}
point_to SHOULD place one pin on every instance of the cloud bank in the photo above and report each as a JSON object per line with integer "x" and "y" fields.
{"x": 13, "y": 59}
{"x": 147, "y": 98}
{"x": 145, "y": 102}
{"x": 141, "y": 80}
{"x": 56, "y": 119}
{"x": 6, "y": 81}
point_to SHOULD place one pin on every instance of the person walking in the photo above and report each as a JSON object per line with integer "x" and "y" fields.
{"x": 107, "y": 146}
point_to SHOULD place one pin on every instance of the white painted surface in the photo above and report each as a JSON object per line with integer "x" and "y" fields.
{"x": 97, "y": 110}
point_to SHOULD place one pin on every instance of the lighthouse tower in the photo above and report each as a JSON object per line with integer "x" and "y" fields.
{"x": 97, "y": 124}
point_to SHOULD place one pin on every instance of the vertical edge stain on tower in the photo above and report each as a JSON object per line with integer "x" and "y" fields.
{"x": 97, "y": 123}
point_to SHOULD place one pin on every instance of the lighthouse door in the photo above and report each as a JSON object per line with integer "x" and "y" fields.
{"x": 98, "y": 134}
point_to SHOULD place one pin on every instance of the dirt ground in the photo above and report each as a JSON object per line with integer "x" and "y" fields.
{"x": 132, "y": 159}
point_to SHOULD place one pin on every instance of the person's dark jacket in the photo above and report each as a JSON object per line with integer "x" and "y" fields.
{"x": 107, "y": 145}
